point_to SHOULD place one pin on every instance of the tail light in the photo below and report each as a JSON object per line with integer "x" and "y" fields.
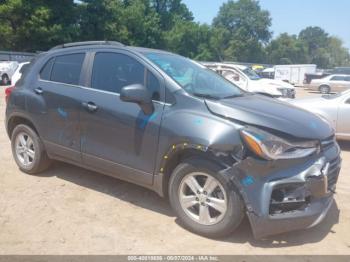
{"x": 8, "y": 92}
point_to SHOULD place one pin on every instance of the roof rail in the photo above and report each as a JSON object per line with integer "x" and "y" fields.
{"x": 86, "y": 43}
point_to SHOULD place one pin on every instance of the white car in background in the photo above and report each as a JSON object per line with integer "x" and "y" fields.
{"x": 7, "y": 69}
{"x": 335, "y": 109}
{"x": 331, "y": 83}
{"x": 248, "y": 80}
{"x": 18, "y": 73}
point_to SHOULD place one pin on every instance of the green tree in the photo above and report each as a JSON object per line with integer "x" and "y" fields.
{"x": 102, "y": 20}
{"x": 287, "y": 49}
{"x": 324, "y": 50}
{"x": 339, "y": 55}
{"x": 171, "y": 12}
{"x": 190, "y": 39}
{"x": 36, "y": 25}
{"x": 242, "y": 28}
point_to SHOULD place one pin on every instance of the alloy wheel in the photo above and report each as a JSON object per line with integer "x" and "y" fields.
{"x": 25, "y": 151}
{"x": 203, "y": 198}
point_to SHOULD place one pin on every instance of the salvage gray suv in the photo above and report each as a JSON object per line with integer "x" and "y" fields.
{"x": 169, "y": 124}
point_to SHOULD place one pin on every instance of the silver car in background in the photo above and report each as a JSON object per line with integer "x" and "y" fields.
{"x": 331, "y": 83}
{"x": 332, "y": 108}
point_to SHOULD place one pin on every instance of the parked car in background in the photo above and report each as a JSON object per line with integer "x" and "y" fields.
{"x": 318, "y": 75}
{"x": 294, "y": 74}
{"x": 248, "y": 80}
{"x": 167, "y": 123}
{"x": 18, "y": 73}
{"x": 333, "y": 108}
{"x": 7, "y": 69}
{"x": 268, "y": 73}
{"x": 331, "y": 83}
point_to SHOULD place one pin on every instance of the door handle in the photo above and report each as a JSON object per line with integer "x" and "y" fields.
{"x": 90, "y": 106}
{"x": 38, "y": 91}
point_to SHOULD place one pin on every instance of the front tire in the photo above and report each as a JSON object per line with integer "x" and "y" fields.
{"x": 28, "y": 150}
{"x": 204, "y": 200}
{"x": 324, "y": 89}
{"x": 5, "y": 80}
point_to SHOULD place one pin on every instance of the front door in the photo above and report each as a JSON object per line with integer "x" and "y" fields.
{"x": 117, "y": 137}
{"x": 343, "y": 123}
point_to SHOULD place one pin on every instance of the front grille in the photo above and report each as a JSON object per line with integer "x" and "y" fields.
{"x": 327, "y": 143}
{"x": 333, "y": 172}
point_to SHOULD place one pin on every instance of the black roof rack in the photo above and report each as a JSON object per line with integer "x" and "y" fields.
{"x": 74, "y": 44}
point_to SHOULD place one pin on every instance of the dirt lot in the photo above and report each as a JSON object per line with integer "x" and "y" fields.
{"x": 69, "y": 210}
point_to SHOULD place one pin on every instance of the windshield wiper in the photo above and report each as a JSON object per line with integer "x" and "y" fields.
{"x": 206, "y": 96}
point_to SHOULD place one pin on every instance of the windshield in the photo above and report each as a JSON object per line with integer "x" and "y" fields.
{"x": 194, "y": 78}
{"x": 251, "y": 74}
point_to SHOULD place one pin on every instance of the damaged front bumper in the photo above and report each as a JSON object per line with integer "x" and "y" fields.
{"x": 287, "y": 195}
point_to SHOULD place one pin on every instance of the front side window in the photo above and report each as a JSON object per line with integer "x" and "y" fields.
{"x": 67, "y": 68}
{"x": 111, "y": 72}
{"x": 194, "y": 78}
{"x": 251, "y": 74}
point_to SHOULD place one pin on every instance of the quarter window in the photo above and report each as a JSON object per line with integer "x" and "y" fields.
{"x": 45, "y": 72}
{"x": 67, "y": 68}
{"x": 111, "y": 72}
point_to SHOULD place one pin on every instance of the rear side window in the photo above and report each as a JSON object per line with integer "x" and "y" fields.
{"x": 45, "y": 72}
{"x": 347, "y": 78}
{"x": 337, "y": 78}
{"x": 63, "y": 69}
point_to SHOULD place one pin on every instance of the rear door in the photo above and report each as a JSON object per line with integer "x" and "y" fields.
{"x": 59, "y": 88}
{"x": 338, "y": 83}
{"x": 117, "y": 137}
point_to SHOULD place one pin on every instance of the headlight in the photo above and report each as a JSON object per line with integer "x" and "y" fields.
{"x": 284, "y": 91}
{"x": 271, "y": 147}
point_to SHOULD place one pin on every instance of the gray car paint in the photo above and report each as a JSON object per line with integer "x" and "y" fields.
{"x": 185, "y": 126}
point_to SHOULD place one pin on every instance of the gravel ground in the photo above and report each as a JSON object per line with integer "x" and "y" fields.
{"x": 69, "y": 210}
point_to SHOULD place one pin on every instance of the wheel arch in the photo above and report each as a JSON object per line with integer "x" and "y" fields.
{"x": 174, "y": 157}
{"x": 325, "y": 85}
{"x": 16, "y": 120}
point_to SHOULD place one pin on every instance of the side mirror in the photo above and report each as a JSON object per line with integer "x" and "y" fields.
{"x": 138, "y": 94}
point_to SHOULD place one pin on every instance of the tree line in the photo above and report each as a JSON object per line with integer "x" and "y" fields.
{"x": 240, "y": 31}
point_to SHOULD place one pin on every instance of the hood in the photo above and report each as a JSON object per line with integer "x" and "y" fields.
{"x": 275, "y": 83}
{"x": 270, "y": 113}
{"x": 269, "y": 86}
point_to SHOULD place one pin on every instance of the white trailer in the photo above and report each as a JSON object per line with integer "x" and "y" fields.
{"x": 294, "y": 74}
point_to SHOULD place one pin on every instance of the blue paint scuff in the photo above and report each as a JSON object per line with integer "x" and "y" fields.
{"x": 145, "y": 119}
{"x": 62, "y": 112}
{"x": 247, "y": 181}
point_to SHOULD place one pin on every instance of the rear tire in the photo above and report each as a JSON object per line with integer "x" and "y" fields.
{"x": 324, "y": 89}
{"x": 215, "y": 210}
{"x": 28, "y": 150}
{"x": 5, "y": 80}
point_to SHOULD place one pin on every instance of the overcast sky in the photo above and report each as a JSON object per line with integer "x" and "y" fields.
{"x": 290, "y": 16}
